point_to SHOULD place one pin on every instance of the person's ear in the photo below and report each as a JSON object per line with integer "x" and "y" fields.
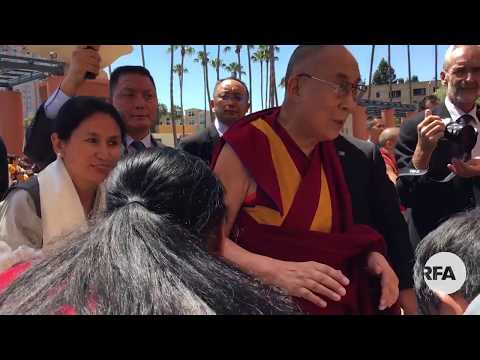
{"x": 448, "y": 304}
{"x": 57, "y": 144}
{"x": 443, "y": 78}
{"x": 212, "y": 104}
{"x": 293, "y": 86}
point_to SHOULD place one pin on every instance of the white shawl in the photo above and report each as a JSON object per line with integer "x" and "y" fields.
{"x": 62, "y": 211}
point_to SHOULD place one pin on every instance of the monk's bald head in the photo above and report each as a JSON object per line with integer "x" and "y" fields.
{"x": 306, "y": 57}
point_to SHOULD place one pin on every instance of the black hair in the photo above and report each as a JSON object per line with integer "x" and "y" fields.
{"x": 128, "y": 69}
{"x": 79, "y": 108}
{"x": 235, "y": 79}
{"x": 459, "y": 235}
{"x": 422, "y": 104}
{"x": 148, "y": 254}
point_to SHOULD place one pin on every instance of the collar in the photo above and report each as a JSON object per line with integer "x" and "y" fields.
{"x": 456, "y": 113}
{"x": 147, "y": 140}
{"x": 220, "y": 126}
{"x": 474, "y": 307}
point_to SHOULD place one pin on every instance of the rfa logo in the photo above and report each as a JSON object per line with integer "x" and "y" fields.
{"x": 445, "y": 272}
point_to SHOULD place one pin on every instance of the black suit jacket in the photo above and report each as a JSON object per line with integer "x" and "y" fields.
{"x": 38, "y": 146}
{"x": 3, "y": 169}
{"x": 375, "y": 201}
{"x": 430, "y": 202}
{"x": 201, "y": 144}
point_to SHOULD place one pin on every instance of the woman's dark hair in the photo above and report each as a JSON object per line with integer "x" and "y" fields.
{"x": 79, "y": 108}
{"x": 149, "y": 253}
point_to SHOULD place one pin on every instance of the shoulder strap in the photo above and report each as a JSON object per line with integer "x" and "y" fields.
{"x": 33, "y": 188}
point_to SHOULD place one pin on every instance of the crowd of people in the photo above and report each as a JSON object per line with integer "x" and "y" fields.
{"x": 273, "y": 212}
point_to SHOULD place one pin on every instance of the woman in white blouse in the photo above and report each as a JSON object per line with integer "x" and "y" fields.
{"x": 87, "y": 139}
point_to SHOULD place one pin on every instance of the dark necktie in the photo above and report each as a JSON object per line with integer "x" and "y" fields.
{"x": 466, "y": 119}
{"x": 469, "y": 139}
{"x": 138, "y": 145}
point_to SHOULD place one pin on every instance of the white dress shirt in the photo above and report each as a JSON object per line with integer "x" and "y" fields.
{"x": 220, "y": 126}
{"x": 456, "y": 113}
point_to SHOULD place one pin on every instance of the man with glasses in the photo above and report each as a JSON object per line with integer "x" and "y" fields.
{"x": 230, "y": 103}
{"x": 437, "y": 195}
{"x": 311, "y": 211}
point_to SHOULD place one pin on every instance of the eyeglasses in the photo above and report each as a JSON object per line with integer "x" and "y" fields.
{"x": 343, "y": 89}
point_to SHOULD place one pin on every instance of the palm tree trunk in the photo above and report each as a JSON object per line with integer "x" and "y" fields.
{"x": 249, "y": 77}
{"x": 261, "y": 82}
{"x": 218, "y": 63}
{"x": 436, "y": 66}
{"x": 239, "y": 65}
{"x": 205, "y": 98}
{"x": 267, "y": 63}
{"x": 206, "y": 81}
{"x": 181, "y": 94}
{"x": 409, "y": 75}
{"x": 181, "y": 101}
{"x": 172, "y": 106}
{"x": 389, "y": 76}
{"x": 370, "y": 77}
{"x": 143, "y": 56}
{"x": 272, "y": 76}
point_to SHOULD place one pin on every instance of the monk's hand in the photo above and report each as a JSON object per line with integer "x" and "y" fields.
{"x": 465, "y": 169}
{"x": 310, "y": 280}
{"x": 379, "y": 266}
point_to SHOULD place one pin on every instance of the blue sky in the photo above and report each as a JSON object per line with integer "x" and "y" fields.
{"x": 157, "y": 60}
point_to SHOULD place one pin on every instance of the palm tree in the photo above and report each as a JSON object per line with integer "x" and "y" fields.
{"x": 250, "y": 47}
{"x": 185, "y": 50}
{"x": 389, "y": 76}
{"x": 234, "y": 69}
{"x": 371, "y": 69}
{"x": 180, "y": 70}
{"x": 273, "y": 85}
{"x": 264, "y": 52}
{"x": 258, "y": 57}
{"x": 238, "y": 49}
{"x": 409, "y": 75}
{"x": 202, "y": 58}
{"x": 217, "y": 64}
{"x": 436, "y": 64}
{"x": 172, "y": 49}
{"x": 143, "y": 56}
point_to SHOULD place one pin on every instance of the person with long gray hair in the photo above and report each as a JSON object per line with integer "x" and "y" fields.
{"x": 152, "y": 252}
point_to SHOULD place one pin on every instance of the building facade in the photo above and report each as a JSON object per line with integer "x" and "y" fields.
{"x": 400, "y": 92}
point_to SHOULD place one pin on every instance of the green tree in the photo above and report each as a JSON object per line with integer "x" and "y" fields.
{"x": 383, "y": 74}
{"x": 202, "y": 58}
{"x": 180, "y": 70}
{"x": 401, "y": 81}
{"x": 234, "y": 69}
{"x": 258, "y": 57}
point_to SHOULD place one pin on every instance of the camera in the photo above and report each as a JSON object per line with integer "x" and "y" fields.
{"x": 463, "y": 136}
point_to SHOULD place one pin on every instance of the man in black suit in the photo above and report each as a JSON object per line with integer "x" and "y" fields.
{"x": 3, "y": 169}
{"x": 230, "y": 103}
{"x": 433, "y": 197}
{"x": 132, "y": 93}
{"x": 322, "y": 86}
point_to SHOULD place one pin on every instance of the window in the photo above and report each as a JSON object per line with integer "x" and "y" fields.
{"x": 396, "y": 94}
{"x": 419, "y": 92}
{"x": 378, "y": 94}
